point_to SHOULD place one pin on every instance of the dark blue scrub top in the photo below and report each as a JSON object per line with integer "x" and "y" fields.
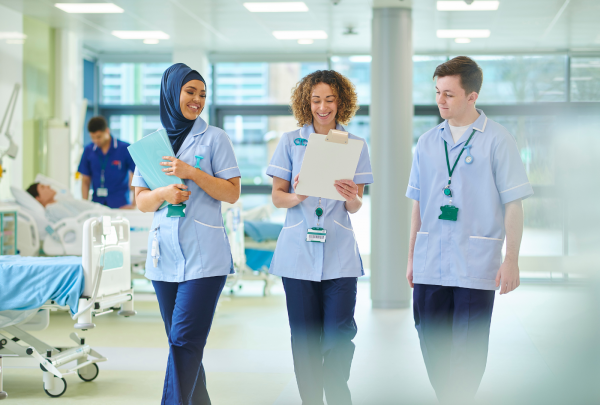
{"x": 117, "y": 163}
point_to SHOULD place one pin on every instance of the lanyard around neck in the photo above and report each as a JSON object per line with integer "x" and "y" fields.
{"x": 450, "y": 171}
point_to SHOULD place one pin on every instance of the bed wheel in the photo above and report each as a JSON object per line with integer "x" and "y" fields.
{"x": 60, "y": 386}
{"x": 88, "y": 373}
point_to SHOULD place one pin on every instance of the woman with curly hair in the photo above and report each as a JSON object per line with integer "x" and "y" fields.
{"x": 319, "y": 278}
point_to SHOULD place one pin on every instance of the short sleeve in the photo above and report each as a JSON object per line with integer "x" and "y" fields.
{"x": 84, "y": 165}
{"x": 413, "y": 191}
{"x": 281, "y": 162}
{"x": 364, "y": 174}
{"x": 224, "y": 164}
{"x": 509, "y": 173}
{"x": 138, "y": 180}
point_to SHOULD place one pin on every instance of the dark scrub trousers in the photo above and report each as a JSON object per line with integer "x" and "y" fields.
{"x": 321, "y": 316}
{"x": 453, "y": 324}
{"x": 187, "y": 309}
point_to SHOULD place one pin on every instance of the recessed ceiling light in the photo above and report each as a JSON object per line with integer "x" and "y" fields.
{"x": 300, "y": 34}
{"x": 151, "y": 41}
{"x": 89, "y": 8}
{"x": 12, "y": 35}
{"x": 278, "y": 7}
{"x": 360, "y": 58}
{"x": 306, "y": 41}
{"x": 140, "y": 34}
{"x": 463, "y": 6}
{"x": 463, "y": 33}
{"x": 463, "y": 40}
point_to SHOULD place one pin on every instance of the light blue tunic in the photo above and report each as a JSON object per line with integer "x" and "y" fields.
{"x": 294, "y": 257}
{"x": 466, "y": 253}
{"x": 195, "y": 246}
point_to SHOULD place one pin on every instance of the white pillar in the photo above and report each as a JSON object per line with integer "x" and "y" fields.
{"x": 391, "y": 144}
{"x": 196, "y": 59}
{"x": 69, "y": 103}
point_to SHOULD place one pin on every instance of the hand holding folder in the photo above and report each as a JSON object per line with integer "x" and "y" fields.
{"x": 147, "y": 153}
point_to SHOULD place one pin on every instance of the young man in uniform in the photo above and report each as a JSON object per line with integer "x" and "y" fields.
{"x": 107, "y": 167}
{"x": 467, "y": 182}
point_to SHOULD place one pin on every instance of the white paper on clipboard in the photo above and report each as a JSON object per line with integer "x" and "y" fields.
{"x": 324, "y": 163}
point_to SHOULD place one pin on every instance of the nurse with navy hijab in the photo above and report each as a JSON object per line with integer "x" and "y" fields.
{"x": 189, "y": 257}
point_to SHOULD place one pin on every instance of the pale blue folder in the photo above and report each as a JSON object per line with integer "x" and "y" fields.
{"x": 147, "y": 153}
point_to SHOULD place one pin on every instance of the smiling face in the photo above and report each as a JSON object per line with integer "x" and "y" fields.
{"x": 192, "y": 99}
{"x": 452, "y": 100}
{"x": 323, "y": 104}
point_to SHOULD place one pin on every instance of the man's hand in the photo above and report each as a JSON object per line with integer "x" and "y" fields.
{"x": 508, "y": 275}
{"x": 409, "y": 274}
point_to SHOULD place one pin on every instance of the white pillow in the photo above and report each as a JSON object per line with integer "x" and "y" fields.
{"x": 33, "y": 207}
{"x": 62, "y": 191}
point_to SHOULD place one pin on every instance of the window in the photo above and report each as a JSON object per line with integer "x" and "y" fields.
{"x": 423, "y": 84}
{"x": 132, "y": 128}
{"x": 131, "y": 83}
{"x": 585, "y": 79}
{"x": 358, "y": 70}
{"x": 522, "y": 79}
{"x": 259, "y": 83}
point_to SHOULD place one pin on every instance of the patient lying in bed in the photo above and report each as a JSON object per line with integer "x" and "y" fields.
{"x": 64, "y": 208}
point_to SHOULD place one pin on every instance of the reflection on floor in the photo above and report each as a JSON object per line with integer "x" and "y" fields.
{"x": 538, "y": 351}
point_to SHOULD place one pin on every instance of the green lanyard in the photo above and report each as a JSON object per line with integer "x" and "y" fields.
{"x": 447, "y": 190}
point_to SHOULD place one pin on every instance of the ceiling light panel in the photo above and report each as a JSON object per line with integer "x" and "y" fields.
{"x": 89, "y": 8}
{"x": 140, "y": 34}
{"x": 462, "y": 6}
{"x": 463, "y": 33}
{"x": 12, "y": 35}
{"x": 277, "y": 7}
{"x": 300, "y": 34}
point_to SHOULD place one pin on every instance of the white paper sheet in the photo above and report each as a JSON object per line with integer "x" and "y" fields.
{"x": 324, "y": 163}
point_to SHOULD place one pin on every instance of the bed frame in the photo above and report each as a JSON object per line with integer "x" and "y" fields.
{"x": 106, "y": 266}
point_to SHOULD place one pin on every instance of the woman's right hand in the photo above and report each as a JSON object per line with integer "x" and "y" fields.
{"x": 173, "y": 193}
{"x": 298, "y": 196}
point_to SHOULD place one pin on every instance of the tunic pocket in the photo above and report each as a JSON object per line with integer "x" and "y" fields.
{"x": 214, "y": 247}
{"x": 288, "y": 247}
{"x": 484, "y": 257}
{"x": 420, "y": 252}
{"x": 347, "y": 248}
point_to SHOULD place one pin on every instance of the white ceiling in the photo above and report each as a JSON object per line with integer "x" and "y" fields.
{"x": 225, "y": 27}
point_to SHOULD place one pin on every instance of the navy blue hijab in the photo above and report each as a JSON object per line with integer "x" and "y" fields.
{"x": 177, "y": 126}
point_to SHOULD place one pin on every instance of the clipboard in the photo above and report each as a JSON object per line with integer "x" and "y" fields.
{"x": 328, "y": 158}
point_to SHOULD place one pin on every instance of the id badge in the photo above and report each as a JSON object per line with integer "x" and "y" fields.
{"x": 316, "y": 235}
{"x": 102, "y": 192}
{"x": 449, "y": 213}
{"x": 176, "y": 210}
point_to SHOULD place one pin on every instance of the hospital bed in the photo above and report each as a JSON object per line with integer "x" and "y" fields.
{"x": 36, "y": 235}
{"x": 95, "y": 284}
{"x": 233, "y": 220}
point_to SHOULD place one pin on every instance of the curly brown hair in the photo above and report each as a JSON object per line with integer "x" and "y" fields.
{"x": 344, "y": 90}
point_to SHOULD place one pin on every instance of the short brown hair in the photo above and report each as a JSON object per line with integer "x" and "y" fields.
{"x": 471, "y": 75}
{"x": 97, "y": 124}
{"x": 347, "y": 100}
{"x": 33, "y": 190}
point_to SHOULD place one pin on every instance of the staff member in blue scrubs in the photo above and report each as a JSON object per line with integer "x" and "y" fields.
{"x": 319, "y": 278}
{"x": 189, "y": 257}
{"x": 107, "y": 167}
{"x": 467, "y": 182}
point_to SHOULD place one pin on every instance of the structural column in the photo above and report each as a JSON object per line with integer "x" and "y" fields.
{"x": 391, "y": 142}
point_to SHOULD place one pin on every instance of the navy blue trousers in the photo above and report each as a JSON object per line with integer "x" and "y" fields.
{"x": 187, "y": 309}
{"x": 454, "y": 328}
{"x": 321, "y": 316}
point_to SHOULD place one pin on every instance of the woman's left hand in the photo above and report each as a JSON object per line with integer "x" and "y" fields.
{"x": 177, "y": 168}
{"x": 347, "y": 189}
